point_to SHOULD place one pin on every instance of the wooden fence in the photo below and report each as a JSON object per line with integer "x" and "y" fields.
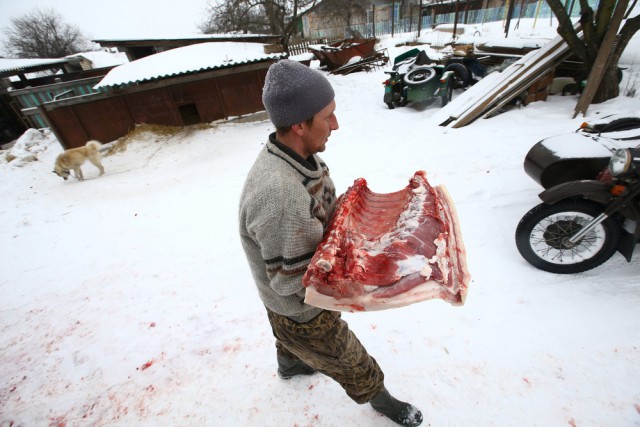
{"x": 302, "y": 47}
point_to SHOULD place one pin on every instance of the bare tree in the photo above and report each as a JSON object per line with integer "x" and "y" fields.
{"x": 233, "y": 16}
{"x": 276, "y": 17}
{"x": 594, "y": 26}
{"x": 43, "y": 34}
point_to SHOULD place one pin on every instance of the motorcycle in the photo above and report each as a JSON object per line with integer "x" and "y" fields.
{"x": 416, "y": 78}
{"x": 589, "y": 210}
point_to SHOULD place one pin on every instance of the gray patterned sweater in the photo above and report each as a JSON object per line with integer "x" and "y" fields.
{"x": 285, "y": 208}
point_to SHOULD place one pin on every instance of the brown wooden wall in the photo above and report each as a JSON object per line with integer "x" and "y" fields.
{"x": 182, "y": 101}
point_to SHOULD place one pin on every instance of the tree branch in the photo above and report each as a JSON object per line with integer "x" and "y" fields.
{"x": 566, "y": 30}
{"x": 629, "y": 29}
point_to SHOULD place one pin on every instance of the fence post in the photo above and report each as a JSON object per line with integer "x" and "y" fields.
{"x": 455, "y": 21}
{"x": 393, "y": 16}
{"x": 410, "y": 18}
{"x": 509, "y": 15}
{"x": 420, "y": 19}
{"x": 374, "y": 20}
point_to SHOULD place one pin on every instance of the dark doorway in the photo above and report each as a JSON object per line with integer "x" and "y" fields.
{"x": 189, "y": 114}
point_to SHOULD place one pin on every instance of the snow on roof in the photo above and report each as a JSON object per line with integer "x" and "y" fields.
{"x": 101, "y": 59}
{"x": 185, "y": 36}
{"x": 19, "y": 65}
{"x": 521, "y": 43}
{"x": 185, "y": 60}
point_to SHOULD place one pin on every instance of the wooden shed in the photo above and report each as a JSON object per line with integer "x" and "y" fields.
{"x": 183, "y": 86}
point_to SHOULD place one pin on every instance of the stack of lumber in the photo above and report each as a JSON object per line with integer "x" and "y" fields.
{"x": 494, "y": 91}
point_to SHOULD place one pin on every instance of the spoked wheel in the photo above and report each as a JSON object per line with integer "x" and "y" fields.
{"x": 542, "y": 234}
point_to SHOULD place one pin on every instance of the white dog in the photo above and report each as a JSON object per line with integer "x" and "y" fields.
{"x": 73, "y": 158}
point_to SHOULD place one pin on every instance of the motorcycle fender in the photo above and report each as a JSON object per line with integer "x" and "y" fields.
{"x": 591, "y": 190}
{"x": 627, "y": 244}
{"x": 388, "y": 96}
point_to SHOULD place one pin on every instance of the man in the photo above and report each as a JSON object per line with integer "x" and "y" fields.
{"x": 287, "y": 201}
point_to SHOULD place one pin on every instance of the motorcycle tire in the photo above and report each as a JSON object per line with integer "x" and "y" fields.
{"x": 397, "y": 103}
{"x": 461, "y": 77}
{"x": 541, "y": 230}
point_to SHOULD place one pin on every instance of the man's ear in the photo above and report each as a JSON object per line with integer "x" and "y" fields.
{"x": 298, "y": 128}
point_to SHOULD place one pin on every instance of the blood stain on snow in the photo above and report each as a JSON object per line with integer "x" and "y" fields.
{"x": 572, "y": 422}
{"x": 88, "y": 410}
{"x": 231, "y": 348}
{"x": 152, "y": 325}
{"x": 58, "y": 422}
{"x": 145, "y": 366}
{"x": 202, "y": 352}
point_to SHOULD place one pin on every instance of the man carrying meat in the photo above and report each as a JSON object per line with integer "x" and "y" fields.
{"x": 285, "y": 207}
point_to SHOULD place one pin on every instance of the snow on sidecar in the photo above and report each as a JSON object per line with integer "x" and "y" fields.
{"x": 581, "y": 154}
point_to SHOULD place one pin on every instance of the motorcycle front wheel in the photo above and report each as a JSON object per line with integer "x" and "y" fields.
{"x": 543, "y": 231}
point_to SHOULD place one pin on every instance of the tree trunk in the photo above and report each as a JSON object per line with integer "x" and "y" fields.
{"x": 609, "y": 86}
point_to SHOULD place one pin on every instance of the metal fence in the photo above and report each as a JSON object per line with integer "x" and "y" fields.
{"x": 539, "y": 10}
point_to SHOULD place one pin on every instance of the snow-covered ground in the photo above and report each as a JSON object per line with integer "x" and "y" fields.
{"x": 127, "y": 300}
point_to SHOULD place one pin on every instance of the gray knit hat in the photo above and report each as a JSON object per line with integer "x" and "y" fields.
{"x": 293, "y": 93}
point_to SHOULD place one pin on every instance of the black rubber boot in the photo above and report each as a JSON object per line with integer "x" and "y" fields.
{"x": 400, "y": 412}
{"x": 291, "y": 368}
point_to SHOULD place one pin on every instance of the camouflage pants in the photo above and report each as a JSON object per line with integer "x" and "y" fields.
{"x": 328, "y": 345}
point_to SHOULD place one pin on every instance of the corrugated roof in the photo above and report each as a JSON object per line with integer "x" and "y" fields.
{"x": 185, "y": 60}
{"x": 188, "y": 36}
{"x": 8, "y": 65}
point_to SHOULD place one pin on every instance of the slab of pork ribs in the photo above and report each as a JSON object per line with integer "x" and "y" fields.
{"x": 389, "y": 250}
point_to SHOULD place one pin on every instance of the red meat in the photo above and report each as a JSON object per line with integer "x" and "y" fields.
{"x": 389, "y": 250}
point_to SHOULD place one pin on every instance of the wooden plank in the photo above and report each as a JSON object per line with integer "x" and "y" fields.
{"x": 466, "y": 99}
{"x": 498, "y": 94}
{"x": 512, "y": 77}
{"x": 504, "y": 78}
{"x": 602, "y": 60}
{"x": 531, "y": 78}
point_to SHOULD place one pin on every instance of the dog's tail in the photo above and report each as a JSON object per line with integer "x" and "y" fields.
{"x": 94, "y": 145}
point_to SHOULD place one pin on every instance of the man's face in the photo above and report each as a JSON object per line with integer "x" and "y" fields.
{"x": 316, "y": 136}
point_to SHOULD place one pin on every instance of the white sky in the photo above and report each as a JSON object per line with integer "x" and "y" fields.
{"x": 116, "y": 18}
